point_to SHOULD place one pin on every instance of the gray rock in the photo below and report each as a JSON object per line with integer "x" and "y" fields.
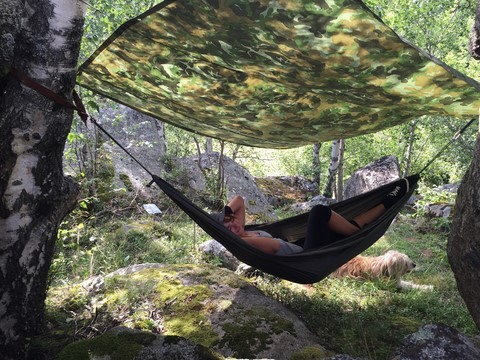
{"x": 439, "y": 342}
{"x": 214, "y": 248}
{"x": 94, "y": 284}
{"x": 204, "y": 304}
{"x": 307, "y": 206}
{"x": 463, "y": 247}
{"x": 371, "y": 176}
{"x": 438, "y": 210}
{"x": 238, "y": 180}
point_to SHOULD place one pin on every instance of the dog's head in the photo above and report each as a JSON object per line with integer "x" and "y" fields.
{"x": 397, "y": 264}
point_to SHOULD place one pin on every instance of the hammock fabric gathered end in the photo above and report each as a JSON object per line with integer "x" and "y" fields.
{"x": 311, "y": 265}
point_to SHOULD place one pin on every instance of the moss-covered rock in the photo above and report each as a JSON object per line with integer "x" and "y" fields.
{"x": 207, "y": 305}
{"x": 125, "y": 344}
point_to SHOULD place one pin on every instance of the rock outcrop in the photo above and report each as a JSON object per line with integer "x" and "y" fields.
{"x": 207, "y": 305}
{"x": 464, "y": 241}
{"x": 439, "y": 342}
{"x": 371, "y": 176}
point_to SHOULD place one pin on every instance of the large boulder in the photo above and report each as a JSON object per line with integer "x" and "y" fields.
{"x": 238, "y": 181}
{"x": 204, "y": 304}
{"x": 439, "y": 342}
{"x": 371, "y": 176}
{"x": 463, "y": 247}
{"x": 188, "y": 309}
{"x": 125, "y": 343}
{"x": 136, "y": 132}
{"x": 286, "y": 190}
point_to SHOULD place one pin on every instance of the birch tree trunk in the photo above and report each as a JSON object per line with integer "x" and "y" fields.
{"x": 34, "y": 193}
{"x": 316, "y": 164}
{"x": 332, "y": 169}
{"x": 341, "y": 153}
{"x": 162, "y": 148}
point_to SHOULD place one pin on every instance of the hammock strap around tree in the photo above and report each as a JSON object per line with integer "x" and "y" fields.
{"x": 308, "y": 266}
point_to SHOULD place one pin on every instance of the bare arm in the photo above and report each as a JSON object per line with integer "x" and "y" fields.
{"x": 237, "y": 204}
{"x": 265, "y": 244}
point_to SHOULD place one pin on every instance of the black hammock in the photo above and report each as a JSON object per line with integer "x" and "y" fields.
{"x": 308, "y": 266}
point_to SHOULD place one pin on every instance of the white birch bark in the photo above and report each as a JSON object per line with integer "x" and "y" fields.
{"x": 34, "y": 194}
{"x": 162, "y": 142}
{"x": 332, "y": 169}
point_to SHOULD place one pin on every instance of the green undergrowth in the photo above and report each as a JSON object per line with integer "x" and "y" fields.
{"x": 97, "y": 246}
{"x": 366, "y": 319}
{"x": 369, "y": 319}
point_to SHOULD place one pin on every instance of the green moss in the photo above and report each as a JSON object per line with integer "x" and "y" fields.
{"x": 118, "y": 347}
{"x": 71, "y": 298}
{"x": 247, "y": 336}
{"x": 183, "y": 308}
{"x": 203, "y": 352}
{"x": 126, "y": 181}
{"x": 406, "y": 324}
{"x": 209, "y": 274}
{"x": 310, "y": 353}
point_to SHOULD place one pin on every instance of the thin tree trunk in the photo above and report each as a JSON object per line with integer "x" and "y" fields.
{"x": 34, "y": 193}
{"x": 221, "y": 174}
{"x": 235, "y": 151}
{"x": 411, "y": 141}
{"x": 209, "y": 146}
{"x": 332, "y": 169}
{"x": 341, "y": 154}
{"x": 162, "y": 142}
{"x": 316, "y": 164}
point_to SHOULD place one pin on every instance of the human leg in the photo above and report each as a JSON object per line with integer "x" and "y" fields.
{"x": 318, "y": 232}
{"x": 341, "y": 226}
{"x": 323, "y": 221}
{"x": 400, "y": 189}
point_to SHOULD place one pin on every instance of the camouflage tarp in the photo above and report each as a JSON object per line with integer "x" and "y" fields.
{"x": 277, "y": 74}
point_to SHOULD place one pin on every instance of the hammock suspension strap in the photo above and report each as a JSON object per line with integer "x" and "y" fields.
{"x": 454, "y": 138}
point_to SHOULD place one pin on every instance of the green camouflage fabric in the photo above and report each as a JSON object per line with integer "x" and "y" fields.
{"x": 274, "y": 73}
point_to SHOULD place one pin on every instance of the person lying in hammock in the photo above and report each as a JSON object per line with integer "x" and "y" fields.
{"x": 322, "y": 221}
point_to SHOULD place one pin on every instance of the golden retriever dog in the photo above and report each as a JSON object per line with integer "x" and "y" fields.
{"x": 392, "y": 264}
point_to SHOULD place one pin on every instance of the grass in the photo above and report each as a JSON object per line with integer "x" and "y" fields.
{"x": 369, "y": 318}
{"x": 365, "y": 319}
